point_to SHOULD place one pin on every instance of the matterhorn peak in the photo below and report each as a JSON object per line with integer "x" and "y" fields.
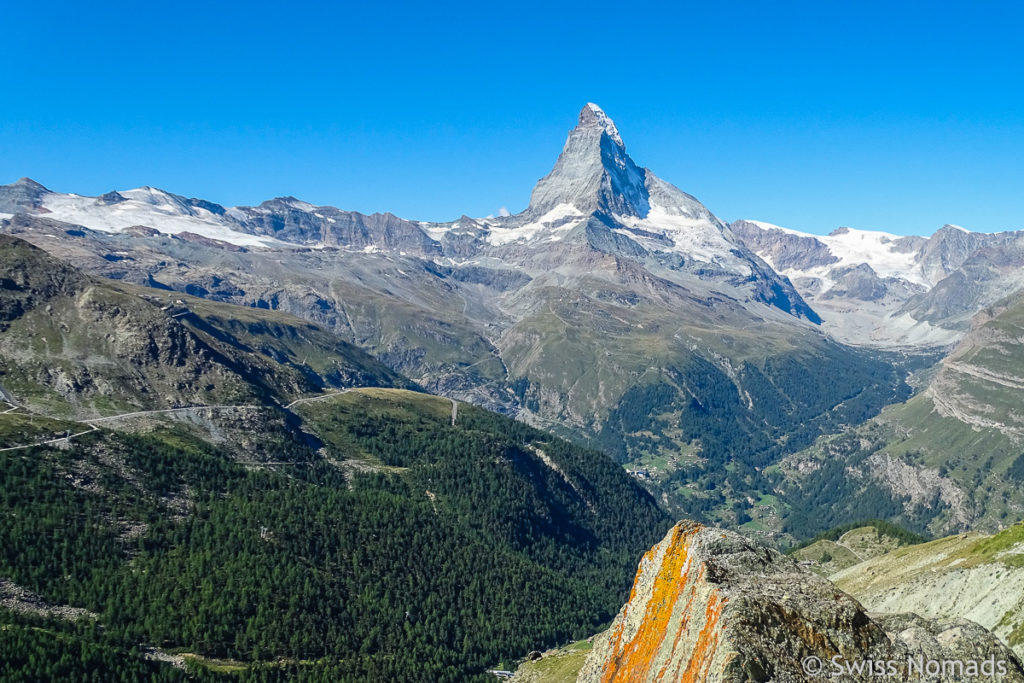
{"x": 593, "y": 116}
{"x": 593, "y": 173}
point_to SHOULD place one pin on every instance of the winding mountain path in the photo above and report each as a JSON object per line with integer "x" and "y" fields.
{"x": 319, "y": 397}
{"x": 65, "y": 439}
{"x": 140, "y": 413}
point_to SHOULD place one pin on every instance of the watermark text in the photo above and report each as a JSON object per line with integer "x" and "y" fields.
{"x": 911, "y": 667}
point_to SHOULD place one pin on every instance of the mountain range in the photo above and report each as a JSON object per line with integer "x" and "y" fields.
{"x": 883, "y": 290}
{"x": 615, "y": 310}
{"x": 293, "y": 393}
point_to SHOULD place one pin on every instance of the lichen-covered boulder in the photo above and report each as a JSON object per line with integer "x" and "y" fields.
{"x": 712, "y": 605}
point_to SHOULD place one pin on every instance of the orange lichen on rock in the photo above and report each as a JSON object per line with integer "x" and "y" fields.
{"x": 640, "y": 654}
{"x": 704, "y": 650}
{"x": 711, "y": 606}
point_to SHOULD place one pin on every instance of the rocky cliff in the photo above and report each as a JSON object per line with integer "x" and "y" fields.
{"x": 74, "y": 345}
{"x": 711, "y": 605}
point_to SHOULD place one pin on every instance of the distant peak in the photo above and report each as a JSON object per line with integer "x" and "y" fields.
{"x": 288, "y": 201}
{"x": 592, "y": 116}
{"x": 28, "y": 182}
{"x": 149, "y": 189}
{"x": 112, "y": 197}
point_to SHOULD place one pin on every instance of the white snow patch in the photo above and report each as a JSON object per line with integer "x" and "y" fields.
{"x": 435, "y": 231}
{"x": 877, "y": 249}
{"x": 541, "y": 229}
{"x": 303, "y": 206}
{"x": 854, "y": 247}
{"x": 771, "y": 226}
{"x": 696, "y": 238}
{"x": 606, "y": 122}
{"x": 150, "y": 207}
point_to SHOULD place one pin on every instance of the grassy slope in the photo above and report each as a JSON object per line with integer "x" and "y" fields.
{"x": 561, "y": 665}
{"x": 972, "y": 575}
{"x": 852, "y": 547}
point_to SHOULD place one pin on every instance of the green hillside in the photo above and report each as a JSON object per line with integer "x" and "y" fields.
{"x": 948, "y": 459}
{"x": 406, "y": 549}
{"x": 850, "y": 544}
{"x": 706, "y": 435}
{"x": 976, "y": 576}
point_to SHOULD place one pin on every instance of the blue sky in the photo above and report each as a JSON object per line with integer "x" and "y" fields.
{"x": 898, "y": 116}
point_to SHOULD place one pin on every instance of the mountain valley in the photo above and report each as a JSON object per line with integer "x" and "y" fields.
{"x": 294, "y": 441}
{"x": 946, "y": 460}
{"x": 616, "y": 310}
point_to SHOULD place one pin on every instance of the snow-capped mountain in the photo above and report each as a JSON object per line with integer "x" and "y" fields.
{"x": 280, "y": 223}
{"x": 875, "y": 288}
{"x": 595, "y": 176}
{"x": 615, "y": 307}
{"x": 596, "y": 197}
{"x": 606, "y": 255}
{"x": 118, "y": 211}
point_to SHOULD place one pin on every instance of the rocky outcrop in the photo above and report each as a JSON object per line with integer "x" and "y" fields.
{"x": 785, "y": 250}
{"x": 18, "y": 599}
{"x": 711, "y": 605}
{"x": 22, "y": 195}
{"x": 208, "y": 241}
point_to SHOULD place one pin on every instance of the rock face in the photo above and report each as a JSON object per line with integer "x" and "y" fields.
{"x": 75, "y": 345}
{"x": 593, "y": 173}
{"x": 711, "y": 605}
{"x": 785, "y": 250}
{"x": 885, "y": 290}
{"x": 22, "y": 195}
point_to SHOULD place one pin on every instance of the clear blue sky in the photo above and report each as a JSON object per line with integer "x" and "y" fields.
{"x": 897, "y": 115}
